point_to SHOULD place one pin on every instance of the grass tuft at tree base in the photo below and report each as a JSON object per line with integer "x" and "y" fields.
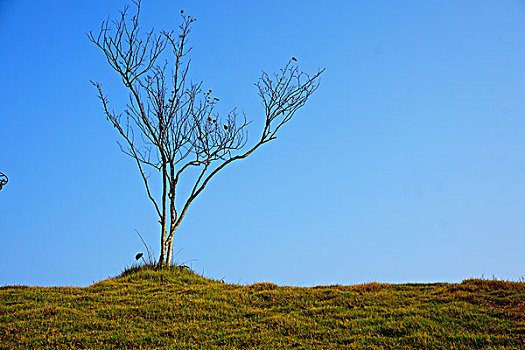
{"x": 174, "y": 308}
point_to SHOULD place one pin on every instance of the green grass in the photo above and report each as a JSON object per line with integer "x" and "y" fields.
{"x": 177, "y": 309}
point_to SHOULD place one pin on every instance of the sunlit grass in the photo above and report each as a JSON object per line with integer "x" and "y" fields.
{"x": 176, "y": 308}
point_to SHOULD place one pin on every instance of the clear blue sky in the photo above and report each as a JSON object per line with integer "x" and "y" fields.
{"x": 407, "y": 165}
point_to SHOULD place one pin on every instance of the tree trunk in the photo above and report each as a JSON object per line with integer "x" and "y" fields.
{"x": 162, "y": 257}
{"x": 169, "y": 253}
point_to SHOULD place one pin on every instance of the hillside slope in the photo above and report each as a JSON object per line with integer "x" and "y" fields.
{"x": 179, "y": 309}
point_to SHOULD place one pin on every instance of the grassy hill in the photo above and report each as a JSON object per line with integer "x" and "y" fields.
{"x": 177, "y": 309}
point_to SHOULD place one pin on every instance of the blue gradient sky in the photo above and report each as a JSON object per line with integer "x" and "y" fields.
{"x": 408, "y": 164}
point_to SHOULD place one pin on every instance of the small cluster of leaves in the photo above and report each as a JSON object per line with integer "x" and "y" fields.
{"x": 3, "y": 180}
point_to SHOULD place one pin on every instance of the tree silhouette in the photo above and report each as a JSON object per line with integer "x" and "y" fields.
{"x": 170, "y": 124}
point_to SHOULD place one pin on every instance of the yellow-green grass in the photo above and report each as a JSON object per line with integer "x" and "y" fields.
{"x": 177, "y": 309}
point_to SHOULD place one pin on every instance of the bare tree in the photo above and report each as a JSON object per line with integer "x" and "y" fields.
{"x": 170, "y": 124}
{"x": 3, "y": 180}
